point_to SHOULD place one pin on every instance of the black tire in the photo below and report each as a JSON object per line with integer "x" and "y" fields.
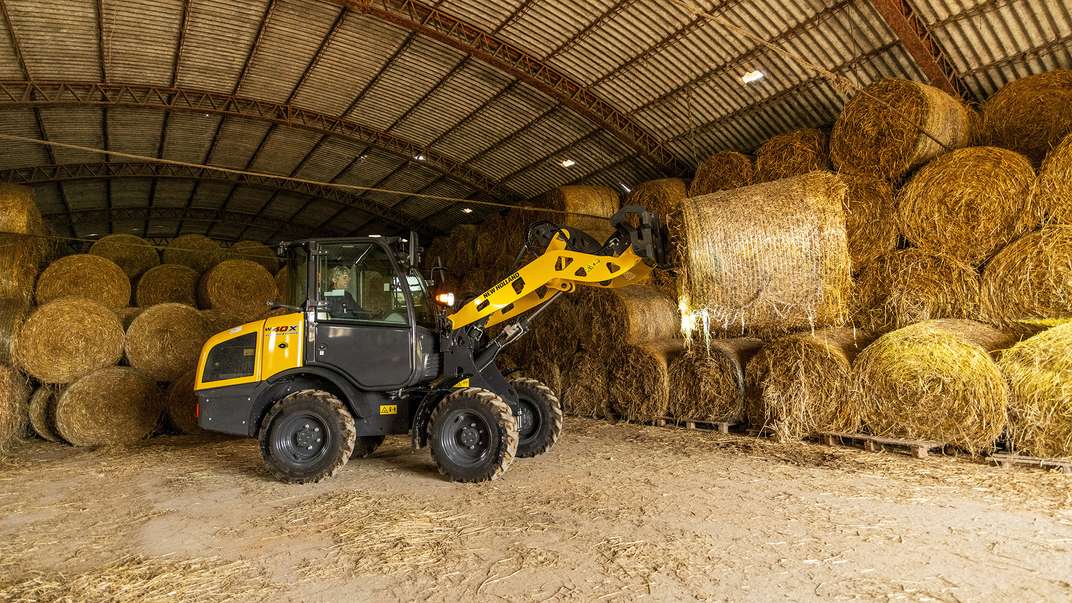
{"x": 473, "y": 435}
{"x": 307, "y": 436}
{"x": 365, "y": 446}
{"x": 540, "y": 423}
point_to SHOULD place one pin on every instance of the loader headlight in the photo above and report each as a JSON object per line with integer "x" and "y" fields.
{"x": 445, "y": 299}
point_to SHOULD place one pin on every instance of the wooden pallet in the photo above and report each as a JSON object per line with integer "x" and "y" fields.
{"x": 1007, "y": 459}
{"x": 917, "y": 448}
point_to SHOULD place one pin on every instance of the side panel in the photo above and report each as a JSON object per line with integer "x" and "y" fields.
{"x": 226, "y": 336}
{"x": 374, "y": 356}
{"x": 282, "y": 344}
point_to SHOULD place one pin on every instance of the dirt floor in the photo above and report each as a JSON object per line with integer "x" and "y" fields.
{"x": 614, "y": 512}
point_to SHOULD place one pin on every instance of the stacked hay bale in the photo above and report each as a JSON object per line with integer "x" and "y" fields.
{"x": 1030, "y": 115}
{"x": 766, "y": 259}
{"x": 132, "y": 253}
{"x": 254, "y": 251}
{"x": 722, "y": 171}
{"x": 893, "y": 126}
{"x": 87, "y": 276}
{"x": 1030, "y": 279}
{"x": 707, "y": 383}
{"x": 792, "y": 154}
{"x": 23, "y": 246}
{"x": 1052, "y": 197}
{"x": 1039, "y": 372}
{"x": 111, "y": 406}
{"x": 195, "y": 251}
{"x": 14, "y": 407}
{"x": 870, "y": 219}
{"x": 801, "y": 385}
{"x": 238, "y": 288}
{"x": 935, "y": 380}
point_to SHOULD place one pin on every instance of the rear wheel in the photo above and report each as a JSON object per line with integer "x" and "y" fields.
{"x": 365, "y": 446}
{"x": 540, "y": 417}
{"x": 307, "y": 436}
{"x": 473, "y": 435}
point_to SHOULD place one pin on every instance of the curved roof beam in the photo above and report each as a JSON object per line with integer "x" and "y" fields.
{"x": 65, "y": 172}
{"x": 195, "y": 215}
{"x": 37, "y": 94}
{"x": 489, "y": 48}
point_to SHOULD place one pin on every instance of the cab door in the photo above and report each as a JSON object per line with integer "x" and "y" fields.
{"x": 364, "y": 325}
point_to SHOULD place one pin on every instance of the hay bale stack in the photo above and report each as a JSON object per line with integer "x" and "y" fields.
{"x": 586, "y": 392}
{"x": 545, "y": 370}
{"x": 725, "y": 170}
{"x": 112, "y": 406}
{"x": 43, "y": 413}
{"x": 911, "y": 286}
{"x": 1039, "y": 372}
{"x": 165, "y": 340}
{"x": 180, "y": 404}
{"x": 766, "y": 259}
{"x": 708, "y": 384}
{"x": 639, "y": 379}
{"x": 1052, "y": 196}
{"x": 241, "y": 288}
{"x": 127, "y": 315}
{"x": 968, "y": 203}
{"x": 67, "y": 339}
{"x": 14, "y": 395}
{"x": 18, "y": 269}
{"x": 792, "y": 154}
{"x": 89, "y": 276}
{"x": 22, "y": 243}
{"x": 554, "y": 331}
{"x": 659, "y": 197}
{"x": 1030, "y": 115}
{"x": 802, "y": 384}
{"x": 218, "y": 321}
{"x": 589, "y": 207}
{"x": 460, "y": 248}
{"x": 1031, "y": 278}
{"x": 608, "y": 318}
{"x": 12, "y": 314}
{"x": 253, "y": 251}
{"x": 132, "y": 253}
{"x": 194, "y": 251}
{"x": 879, "y": 131}
{"x": 935, "y": 380}
{"x": 166, "y": 283}
{"x": 870, "y": 219}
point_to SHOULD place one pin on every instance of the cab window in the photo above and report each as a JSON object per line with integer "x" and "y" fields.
{"x": 357, "y": 283}
{"x": 297, "y": 276}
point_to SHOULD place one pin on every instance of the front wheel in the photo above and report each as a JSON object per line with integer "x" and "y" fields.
{"x": 539, "y": 417}
{"x": 473, "y": 435}
{"x": 307, "y": 436}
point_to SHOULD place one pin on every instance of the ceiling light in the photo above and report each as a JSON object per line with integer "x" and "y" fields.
{"x": 467, "y": 210}
{"x": 568, "y": 163}
{"x": 92, "y": 234}
{"x": 374, "y": 236}
{"x": 419, "y": 157}
{"x": 625, "y": 188}
{"x": 752, "y": 76}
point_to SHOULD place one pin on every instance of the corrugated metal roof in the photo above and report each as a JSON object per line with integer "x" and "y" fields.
{"x": 675, "y": 75}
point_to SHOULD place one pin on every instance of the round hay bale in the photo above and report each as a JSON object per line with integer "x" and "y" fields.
{"x": 870, "y": 219}
{"x": 282, "y": 283}
{"x": 546, "y": 371}
{"x": 589, "y": 207}
{"x": 89, "y": 276}
{"x": 241, "y": 288}
{"x": 12, "y": 314}
{"x": 43, "y": 413}
{"x": 253, "y": 251}
{"x": 18, "y": 269}
{"x": 708, "y": 384}
{"x": 166, "y": 283}
{"x": 112, "y": 406}
{"x": 587, "y": 392}
{"x": 127, "y": 315}
{"x": 19, "y": 215}
{"x": 1039, "y": 372}
{"x": 218, "y": 321}
{"x": 67, "y": 339}
{"x": 913, "y": 285}
{"x": 165, "y": 340}
{"x": 792, "y": 154}
{"x": 180, "y": 404}
{"x": 765, "y": 259}
{"x": 1031, "y": 278}
{"x": 801, "y": 384}
{"x": 725, "y": 170}
{"x": 547, "y": 339}
{"x": 630, "y": 316}
{"x": 879, "y": 131}
{"x": 659, "y": 197}
{"x": 968, "y": 203}
{"x": 639, "y": 378}
{"x": 14, "y": 395}
{"x": 194, "y": 251}
{"x": 1030, "y": 115}
{"x": 936, "y": 381}
{"x": 132, "y": 253}
{"x": 1052, "y": 196}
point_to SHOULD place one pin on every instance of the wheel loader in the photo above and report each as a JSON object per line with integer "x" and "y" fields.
{"x": 364, "y": 350}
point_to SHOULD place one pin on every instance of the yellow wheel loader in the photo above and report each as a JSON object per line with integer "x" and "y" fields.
{"x": 366, "y": 352}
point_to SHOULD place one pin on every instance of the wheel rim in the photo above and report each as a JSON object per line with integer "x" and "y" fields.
{"x": 301, "y": 439}
{"x": 466, "y": 437}
{"x": 528, "y": 420}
